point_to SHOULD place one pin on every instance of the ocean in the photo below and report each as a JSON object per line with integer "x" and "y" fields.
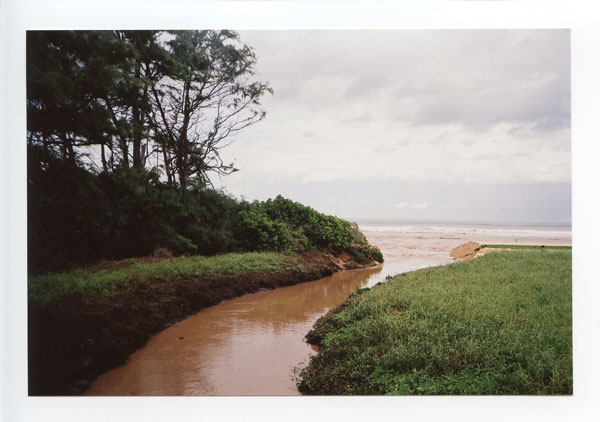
{"x": 408, "y": 245}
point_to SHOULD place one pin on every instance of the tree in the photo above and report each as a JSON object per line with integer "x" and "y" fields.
{"x": 62, "y": 111}
{"x": 83, "y": 91}
{"x": 124, "y": 95}
{"x": 206, "y": 97}
{"x": 127, "y": 98}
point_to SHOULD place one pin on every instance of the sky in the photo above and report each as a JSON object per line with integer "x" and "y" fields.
{"x": 470, "y": 125}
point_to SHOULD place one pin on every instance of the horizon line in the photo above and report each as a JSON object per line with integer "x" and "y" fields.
{"x": 413, "y": 220}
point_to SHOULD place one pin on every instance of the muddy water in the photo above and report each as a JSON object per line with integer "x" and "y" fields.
{"x": 251, "y": 345}
{"x": 244, "y": 346}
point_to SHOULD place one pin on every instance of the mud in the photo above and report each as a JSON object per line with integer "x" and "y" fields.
{"x": 466, "y": 251}
{"x": 80, "y": 336}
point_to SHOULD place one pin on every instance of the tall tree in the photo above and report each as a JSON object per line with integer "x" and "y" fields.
{"x": 124, "y": 95}
{"x": 87, "y": 88}
{"x": 207, "y": 96}
{"x": 129, "y": 100}
{"x": 62, "y": 111}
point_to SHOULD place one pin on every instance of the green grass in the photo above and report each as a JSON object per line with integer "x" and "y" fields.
{"x": 130, "y": 274}
{"x": 499, "y": 324}
{"x": 525, "y": 247}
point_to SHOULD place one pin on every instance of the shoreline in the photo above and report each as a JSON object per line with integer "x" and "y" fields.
{"x": 79, "y": 336}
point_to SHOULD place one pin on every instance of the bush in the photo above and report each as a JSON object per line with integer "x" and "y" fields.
{"x": 282, "y": 224}
{"x": 62, "y": 204}
{"x": 258, "y": 232}
{"x": 77, "y": 217}
{"x": 209, "y": 220}
{"x": 365, "y": 253}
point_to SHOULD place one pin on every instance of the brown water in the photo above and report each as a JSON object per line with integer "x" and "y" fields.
{"x": 245, "y": 346}
{"x": 254, "y": 344}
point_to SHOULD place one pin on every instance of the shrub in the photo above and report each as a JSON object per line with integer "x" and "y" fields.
{"x": 258, "y": 232}
{"x": 77, "y": 217}
{"x": 282, "y": 224}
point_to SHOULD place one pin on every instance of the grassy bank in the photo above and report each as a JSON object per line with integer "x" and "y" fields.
{"x": 87, "y": 321}
{"x": 133, "y": 274}
{"x": 539, "y": 247}
{"x": 499, "y": 324}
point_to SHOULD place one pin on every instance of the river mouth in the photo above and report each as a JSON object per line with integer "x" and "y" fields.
{"x": 254, "y": 345}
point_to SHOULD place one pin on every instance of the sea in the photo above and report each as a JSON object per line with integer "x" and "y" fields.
{"x": 408, "y": 245}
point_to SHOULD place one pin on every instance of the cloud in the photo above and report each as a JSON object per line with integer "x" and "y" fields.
{"x": 365, "y": 85}
{"x": 362, "y": 118}
{"x": 470, "y": 106}
{"x": 472, "y": 77}
{"x": 413, "y": 205}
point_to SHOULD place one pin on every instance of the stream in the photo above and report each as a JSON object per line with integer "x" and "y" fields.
{"x": 250, "y": 345}
{"x": 254, "y": 344}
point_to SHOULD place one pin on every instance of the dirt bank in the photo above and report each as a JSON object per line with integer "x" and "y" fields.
{"x": 80, "y": 336}
{"x": 472, "y": 250}
{"x": 466, "y": 251}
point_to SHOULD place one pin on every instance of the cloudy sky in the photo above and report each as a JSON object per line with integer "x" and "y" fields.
{"x": 416, "y": 124}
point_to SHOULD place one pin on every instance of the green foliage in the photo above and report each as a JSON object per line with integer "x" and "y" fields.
{"x": 133, "y": 93}
{"x": 208, "y": 80}
{"x": 282, "y": 224}
{"x": 257, "y": 230}
{"x": 124, "y": 96}
{"x": 70, "y": 76}
{"x": 76, "y": 217}
{"x": 365, "y": 253}
{"x": 375, "y": 253}
{"x": 209, "y": 220}
{"x": 133, "y": 273}
{"x": 499, "y": 324}
{"x": 62, "y": 205}
{"x": 524, "y": 247}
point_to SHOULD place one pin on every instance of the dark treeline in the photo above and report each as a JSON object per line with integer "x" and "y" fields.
{"x": 78, "y": 217}
{"x": 124, "y": 130}
{"x": 162, "y": 100}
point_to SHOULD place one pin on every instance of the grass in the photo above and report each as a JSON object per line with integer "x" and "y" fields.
{"x": 130, "y": 274}
{"x": 525, "y": 247}
{"x": 499, "y": 324}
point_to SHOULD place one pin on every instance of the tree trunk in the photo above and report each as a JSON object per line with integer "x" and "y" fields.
{"x": 182, "y": 162}
{"x": 137, "y": 126}
{"x": 166, "y": 164}
{"x": 68, "y": 152}
{"x": 124, "y": 152}
{"x": 102, "y": 156}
